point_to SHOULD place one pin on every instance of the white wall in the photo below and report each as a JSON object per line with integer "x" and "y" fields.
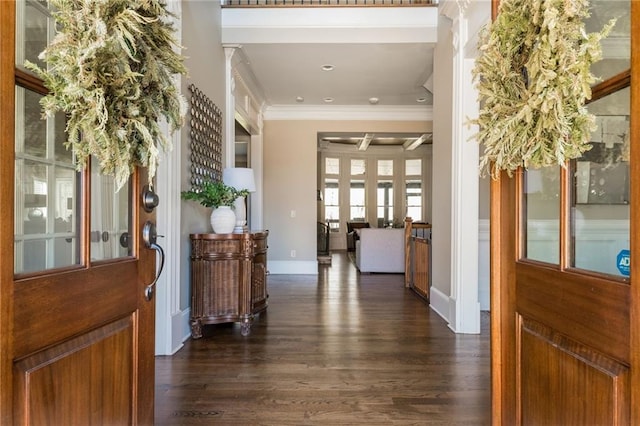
{"x": 206, "y": 64}
{"x": 290, "y": 179}
{"x": 442, "y": 154}
{"x": 198, "y": 30}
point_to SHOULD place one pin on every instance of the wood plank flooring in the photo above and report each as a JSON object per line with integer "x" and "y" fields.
{"x": 335, "y": 349}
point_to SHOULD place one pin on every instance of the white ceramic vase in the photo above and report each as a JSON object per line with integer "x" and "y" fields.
{"x": 223, "y": 220}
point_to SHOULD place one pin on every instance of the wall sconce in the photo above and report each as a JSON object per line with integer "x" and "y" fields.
{"x": 240, "y": 178}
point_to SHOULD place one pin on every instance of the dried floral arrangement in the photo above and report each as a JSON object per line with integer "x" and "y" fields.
{"x": 110, "y": 68}
{"x": 533, "y": 78}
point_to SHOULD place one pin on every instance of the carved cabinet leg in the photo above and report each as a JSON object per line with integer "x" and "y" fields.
{"x": 245, "y": 327}
{"x": 196, "y": 329}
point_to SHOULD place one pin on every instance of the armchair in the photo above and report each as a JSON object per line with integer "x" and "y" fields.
{"x": 352, "y": 236}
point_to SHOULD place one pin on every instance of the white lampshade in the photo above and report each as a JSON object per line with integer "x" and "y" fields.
{"x": 239, "y": 178}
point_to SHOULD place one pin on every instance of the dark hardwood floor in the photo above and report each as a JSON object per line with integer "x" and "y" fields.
{"x": 336, "y": 349}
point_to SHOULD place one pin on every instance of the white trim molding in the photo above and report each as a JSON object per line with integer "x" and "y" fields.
{"x": 330, "y": 25}
{"x": 168, "y": 337}
{"x": 304, "y": 267}
{"x": 349, "y": 113}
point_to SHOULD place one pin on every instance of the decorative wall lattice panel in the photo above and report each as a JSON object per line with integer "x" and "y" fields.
{"x": 206, "y": 138}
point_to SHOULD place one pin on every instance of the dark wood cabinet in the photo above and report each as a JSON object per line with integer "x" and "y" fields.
{"x": 228, "y": 279}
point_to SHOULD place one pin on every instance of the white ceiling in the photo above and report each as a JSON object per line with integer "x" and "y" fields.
{"x": 384, "y": 53}
{"x": 393, "y": 73}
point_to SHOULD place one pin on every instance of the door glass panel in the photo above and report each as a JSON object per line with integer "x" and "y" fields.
{"x": 110, "y": 217}
{"x": 35, "y": 129}
{"x": 542, "y": 214}
{"x": 46, "y": 196}
{"x": 356, "y": 199}
{"x": 332, "y": 204}
{"x": 616, "y": 47}
{"x": 414, "y": 199}
{"x": 385, "y": 203}
{"x": 600, "y": 211}
{"x": 413, "y": 188}
{"x": 33, "y": 31}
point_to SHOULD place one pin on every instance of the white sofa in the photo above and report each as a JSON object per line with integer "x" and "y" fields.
{"x": 380, "y": 250}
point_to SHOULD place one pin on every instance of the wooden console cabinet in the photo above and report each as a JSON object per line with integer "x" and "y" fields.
{"x": 228, "y": 279}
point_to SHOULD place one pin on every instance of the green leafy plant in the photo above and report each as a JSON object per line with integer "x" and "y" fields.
{"x": 533, "y": 78}
{"x": 110, "y": 68}
{"x": 214, "y": 194}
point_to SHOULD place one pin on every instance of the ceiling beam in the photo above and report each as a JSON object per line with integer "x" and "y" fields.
{"x": 364, "y": 142}
{"x": 412, "y": 144}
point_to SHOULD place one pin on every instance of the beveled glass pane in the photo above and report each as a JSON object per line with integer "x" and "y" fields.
{"x": 542, "y": 214}
{"x": 110, "y": 224}
{"x": 357, "y": 166}
{"x": 385, "y": 167}
{"x": 616, "y": 47}
{"x": 600, "y": 227}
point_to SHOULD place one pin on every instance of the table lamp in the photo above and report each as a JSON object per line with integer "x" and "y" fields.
{"x": 239, "y": 178}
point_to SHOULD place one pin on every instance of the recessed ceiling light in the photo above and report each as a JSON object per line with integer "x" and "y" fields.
{"x": 299, "y": 99}
{"x": 374, "y": 101}
{"x": 327, "y": 67}
{"x": 421, "y": 100}
{"x": 328, "y": 100}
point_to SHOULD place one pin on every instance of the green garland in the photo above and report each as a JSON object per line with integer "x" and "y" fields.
{"x": 110, "y": 68}
{"x": 533, "y": 77}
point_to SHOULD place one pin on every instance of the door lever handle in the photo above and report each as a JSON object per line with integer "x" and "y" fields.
{"x": 149, "y": 236}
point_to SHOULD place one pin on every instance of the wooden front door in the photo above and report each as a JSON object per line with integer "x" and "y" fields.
{"x": 565, "y": 305}
{"x": 76, "y": 328}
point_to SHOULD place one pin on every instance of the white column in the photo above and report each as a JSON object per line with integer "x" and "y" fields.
{"x": 257, "y": 197}
{"x": 169, "y": 325}
{"x": 229, "y": 114}
{"x": 464, "y": 313}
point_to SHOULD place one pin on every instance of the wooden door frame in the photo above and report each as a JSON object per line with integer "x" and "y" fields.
{"x": 7, "y": 152}
{"x": 634, "y": 216}
{"x": 504, "y": 245}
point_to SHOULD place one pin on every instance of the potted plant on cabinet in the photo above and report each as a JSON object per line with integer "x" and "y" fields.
{"x": 221, "y": 198}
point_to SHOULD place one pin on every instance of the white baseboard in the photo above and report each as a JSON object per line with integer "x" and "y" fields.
{"x": 439, "y": 303}
{"x": 304, "y": 267}
{"x": 181, "y": 327}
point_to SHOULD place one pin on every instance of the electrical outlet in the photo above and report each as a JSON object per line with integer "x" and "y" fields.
{"x": 293, "y": 253}
{"x": 293, "y": 213}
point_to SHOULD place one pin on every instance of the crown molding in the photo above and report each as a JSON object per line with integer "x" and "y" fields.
{"x": 349, "y": 113}
{"x": 330, "y": 25}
